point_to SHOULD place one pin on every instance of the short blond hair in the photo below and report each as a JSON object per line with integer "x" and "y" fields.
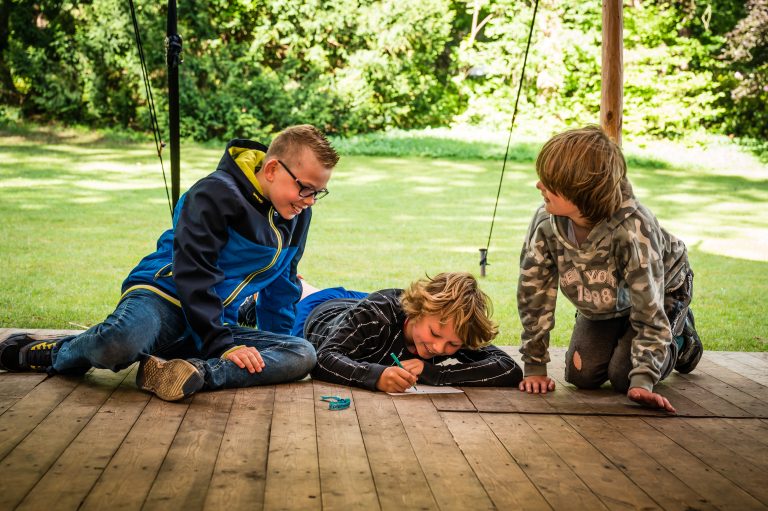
{"x": 586, "y": 167}
{"x": 453, "y": 296}
{"x": 304, "y": 135}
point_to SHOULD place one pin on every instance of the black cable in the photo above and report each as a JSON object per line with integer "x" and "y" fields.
{"x": 509, "y": 139}
{"x": 159, "y": 144}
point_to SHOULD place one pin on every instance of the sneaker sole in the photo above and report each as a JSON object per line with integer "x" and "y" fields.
{"x": 691, "y": 365}
{"x": 9, "y": 352}
{"x": 169, "y": 380}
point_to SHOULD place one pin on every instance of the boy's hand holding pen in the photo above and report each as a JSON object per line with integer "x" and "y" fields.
{"x": 397, "y": 361}
{"x": 395, "y": 378}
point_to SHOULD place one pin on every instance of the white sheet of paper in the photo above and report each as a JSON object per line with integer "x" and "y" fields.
{"x": 427, "y": 389}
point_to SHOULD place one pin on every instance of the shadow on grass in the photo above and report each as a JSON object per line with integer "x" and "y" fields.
{"x": 54, "y": 133}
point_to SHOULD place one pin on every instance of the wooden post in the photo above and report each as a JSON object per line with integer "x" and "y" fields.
{"x": 612, "y": 89}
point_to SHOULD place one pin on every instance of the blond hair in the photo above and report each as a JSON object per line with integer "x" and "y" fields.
{"x": 453, "y": 296}
{"x": 304, "y": 135}
{"x": 587, "y": 168}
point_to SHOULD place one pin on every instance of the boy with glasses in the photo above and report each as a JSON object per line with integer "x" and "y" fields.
{"x": 239, "y": 231}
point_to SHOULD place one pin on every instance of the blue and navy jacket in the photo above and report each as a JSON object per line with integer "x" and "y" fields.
{"x": 227, "y": 242}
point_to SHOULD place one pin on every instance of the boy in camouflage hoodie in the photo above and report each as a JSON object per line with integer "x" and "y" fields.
{"x": 628, "y": 278}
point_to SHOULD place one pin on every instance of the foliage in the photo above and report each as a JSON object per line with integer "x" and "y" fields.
{"x": 252, "y": 67}
{"x": 747, "y": 79}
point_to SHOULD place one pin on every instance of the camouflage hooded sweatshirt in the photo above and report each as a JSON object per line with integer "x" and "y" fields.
{"x": 623, "y": 268}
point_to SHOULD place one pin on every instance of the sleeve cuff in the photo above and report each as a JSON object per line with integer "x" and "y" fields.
{"x": 643, "y": 381}
{"x": 373, "y": 376}
{"x": 535, "y": 369}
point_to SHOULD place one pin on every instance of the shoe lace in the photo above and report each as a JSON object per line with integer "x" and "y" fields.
{"x": 39, "y": 355}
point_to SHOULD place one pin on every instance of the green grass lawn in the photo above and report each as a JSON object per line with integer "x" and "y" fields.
{"x": 78, "y": 211}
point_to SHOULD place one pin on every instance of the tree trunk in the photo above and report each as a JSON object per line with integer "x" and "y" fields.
{"x": 8, "y": 92}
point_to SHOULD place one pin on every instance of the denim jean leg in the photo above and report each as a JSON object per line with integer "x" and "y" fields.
{"x": 141, "y": 321}
{"x": 286, "y": 358}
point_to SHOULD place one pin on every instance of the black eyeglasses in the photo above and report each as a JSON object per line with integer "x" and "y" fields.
{"x": 305, "y": 191}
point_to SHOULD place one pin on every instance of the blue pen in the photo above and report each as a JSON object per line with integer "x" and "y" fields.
{"x": 397, "y": 361}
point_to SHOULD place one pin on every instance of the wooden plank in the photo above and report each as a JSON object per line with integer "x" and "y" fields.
{"x": 662, "y": 485}
{"x": 70, "y": 479}
{"x": 756, "y": 429}
{"x": 746, "y": 358}
{"x": 185, "y": 474}
{"x": 740, "y": 365}
{"x": 688, "y": 398}
{"x": 33, "y": 456}
{"x": 14, "y": 386}
{"x": 27, "y": 413}
{"x": 400, "y": 480}
{"x": 440, "y": 457}
{"x": 605, "y": 480}
{"x": 488, "y": 399}
{"x": 552, "y": 476}
{"x": 240, "y": 474}
{"x": 346, "y": 481}
{"x": 452, "y": 403}
{"x": 293, "y": 475}
{"x": 40, "y": 333}
{"x": 714, "y": 453}
{"x": 734, "y": 379}
{"x": 603, "y": 401}
{"x": 733, "y": 436}
{"x": 703, "y": 397}
{"x": 683, "y": 403}
{"x": 127, "y": 479}
{"x": 504, "y": 481}
{"x": 731, "y": 394}
{"x": 696, "y": 474}
{"x": 583, "y": 401}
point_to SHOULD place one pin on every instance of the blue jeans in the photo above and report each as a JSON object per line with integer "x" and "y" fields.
{"x": 146, "y": 324}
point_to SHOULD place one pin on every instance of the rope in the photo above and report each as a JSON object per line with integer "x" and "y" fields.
{"x": 159, "y": 144}
{"x": 511, "y": 125}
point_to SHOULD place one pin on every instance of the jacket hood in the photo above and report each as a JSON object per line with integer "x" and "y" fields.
{"x": 243, "y": 159}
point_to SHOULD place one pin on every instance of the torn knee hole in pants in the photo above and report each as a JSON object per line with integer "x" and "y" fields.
{"x": 577, "y": 360}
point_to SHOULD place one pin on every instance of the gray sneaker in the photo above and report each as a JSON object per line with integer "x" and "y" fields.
{"x": 690, "y": 354}
{"x": 170, "y": 380}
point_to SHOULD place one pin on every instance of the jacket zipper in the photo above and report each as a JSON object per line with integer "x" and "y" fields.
{"x": 250, "y": 277}
{"x": 158, "y": 274}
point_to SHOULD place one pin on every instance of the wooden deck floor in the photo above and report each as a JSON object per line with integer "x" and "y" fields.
{"x": 99, "y": 443}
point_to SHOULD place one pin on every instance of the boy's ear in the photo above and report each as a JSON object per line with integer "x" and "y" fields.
{"x": 269, "y": 168}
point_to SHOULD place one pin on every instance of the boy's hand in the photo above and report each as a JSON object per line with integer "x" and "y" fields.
{"x": 394, "y": 379}
{"x": 650, "y": 399}
{"x": 413, "y": 366}
{"x": 537, "y": 384}
{"x": 247, "y": 357}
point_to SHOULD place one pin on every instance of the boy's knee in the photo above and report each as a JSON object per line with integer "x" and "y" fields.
{"x": 117, "y": 346}
{"x": 303, "y": 357}
{"x": 307, "y": 353}
{"x": 578, "y": 375}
